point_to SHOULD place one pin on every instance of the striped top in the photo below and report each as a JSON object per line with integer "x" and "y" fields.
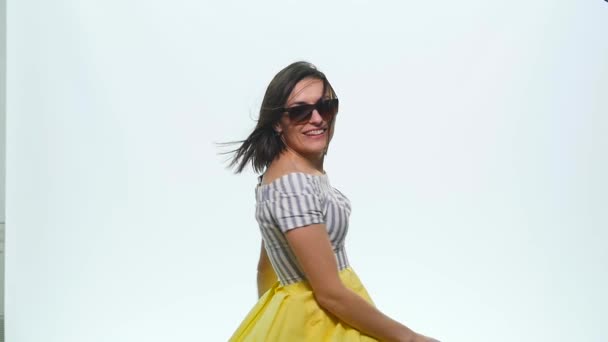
{"x": 295, "y": 200}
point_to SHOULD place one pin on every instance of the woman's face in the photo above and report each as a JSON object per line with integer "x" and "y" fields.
{"x": 303, "y": 137}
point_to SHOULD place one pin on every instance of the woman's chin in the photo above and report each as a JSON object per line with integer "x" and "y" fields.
{"x": 313, "y": 153}
{"x": 318, "y": 153}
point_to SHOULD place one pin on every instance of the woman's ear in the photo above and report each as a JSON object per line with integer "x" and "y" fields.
{"x": 277, "y": 128}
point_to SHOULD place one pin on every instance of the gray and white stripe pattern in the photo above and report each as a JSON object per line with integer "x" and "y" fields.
{"x": 295, "y": 200}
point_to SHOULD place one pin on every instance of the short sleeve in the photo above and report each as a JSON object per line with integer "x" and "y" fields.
{"x": 298, "y": 203}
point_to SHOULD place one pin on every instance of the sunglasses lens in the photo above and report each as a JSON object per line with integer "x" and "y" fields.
{"x": 328, "y": 109}
{"x": 300, "y": 113}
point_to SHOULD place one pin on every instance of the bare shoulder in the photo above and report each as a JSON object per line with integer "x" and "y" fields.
{"x": 272, "y": 173}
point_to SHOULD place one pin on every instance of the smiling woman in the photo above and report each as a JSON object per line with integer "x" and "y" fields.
{"x": 306, "y": 126}
{"x": 291, "y": 98}
{"x": 308, "y": 291}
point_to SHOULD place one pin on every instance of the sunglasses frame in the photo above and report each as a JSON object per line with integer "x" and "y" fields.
{"x": 309, "y": 108}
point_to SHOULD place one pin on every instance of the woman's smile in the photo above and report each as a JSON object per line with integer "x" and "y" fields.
{"x": 316, "y": 133}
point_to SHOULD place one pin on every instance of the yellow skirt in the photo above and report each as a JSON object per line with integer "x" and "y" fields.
{"x": 291, "y": 313}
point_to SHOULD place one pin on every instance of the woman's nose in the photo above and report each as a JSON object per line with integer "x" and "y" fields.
{"x": 315, "y": 117}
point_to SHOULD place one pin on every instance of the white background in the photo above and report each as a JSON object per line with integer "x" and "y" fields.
{"x": 471, "y": 140}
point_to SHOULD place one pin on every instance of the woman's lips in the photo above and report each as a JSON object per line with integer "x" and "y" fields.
{"x": 317, "y": 133}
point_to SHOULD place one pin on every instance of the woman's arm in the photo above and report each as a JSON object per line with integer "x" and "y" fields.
{"x": 315, "y": 255}
{"x": 266, "y": 275}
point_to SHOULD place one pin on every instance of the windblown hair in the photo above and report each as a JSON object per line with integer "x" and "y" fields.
{"x": 263, "y": 145}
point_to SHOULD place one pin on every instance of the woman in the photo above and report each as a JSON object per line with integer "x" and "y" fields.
{"x": 307, "y": 288}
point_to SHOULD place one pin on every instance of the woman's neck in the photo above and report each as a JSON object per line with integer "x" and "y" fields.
{"x": 304, "y": 162}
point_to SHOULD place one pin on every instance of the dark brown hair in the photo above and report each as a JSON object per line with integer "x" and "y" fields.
{"x": 263, "y": 145}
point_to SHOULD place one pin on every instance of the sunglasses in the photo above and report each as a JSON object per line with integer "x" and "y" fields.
{"x": 327, "y": 108}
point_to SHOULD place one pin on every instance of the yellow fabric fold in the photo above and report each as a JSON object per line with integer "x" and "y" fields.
{"x": 291, "y": 313}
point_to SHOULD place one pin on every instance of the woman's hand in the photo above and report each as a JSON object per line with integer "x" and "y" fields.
{"x": 422, "y": 338}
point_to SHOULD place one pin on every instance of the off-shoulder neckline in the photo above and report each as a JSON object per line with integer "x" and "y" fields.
{"x": 260, "y": 185}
